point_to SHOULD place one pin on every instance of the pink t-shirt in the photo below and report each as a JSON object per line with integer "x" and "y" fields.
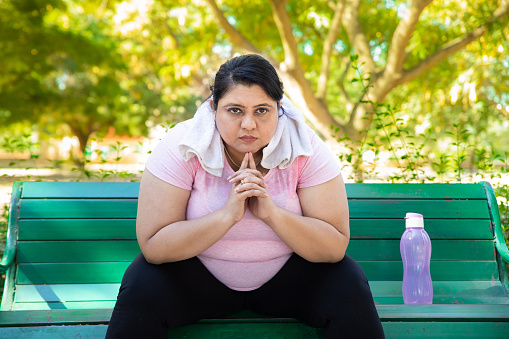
{"x": 250, "y": 253}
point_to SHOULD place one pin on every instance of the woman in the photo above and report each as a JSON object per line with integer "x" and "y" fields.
{"x": 243, "y": 206}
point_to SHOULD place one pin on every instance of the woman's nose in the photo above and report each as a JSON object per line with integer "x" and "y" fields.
{"x": 248, "y": 122}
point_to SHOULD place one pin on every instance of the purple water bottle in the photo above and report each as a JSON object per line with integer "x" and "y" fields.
{"x": 415, "y": 247}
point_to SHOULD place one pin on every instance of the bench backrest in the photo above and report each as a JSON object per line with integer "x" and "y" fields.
{"x": 81, "y": 236}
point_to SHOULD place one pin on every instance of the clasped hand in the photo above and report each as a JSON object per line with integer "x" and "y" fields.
{"x": 249, "y": 190}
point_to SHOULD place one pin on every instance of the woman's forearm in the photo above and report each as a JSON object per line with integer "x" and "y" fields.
{"x": 313, "y": 239}
{"x": 185, "y": 239}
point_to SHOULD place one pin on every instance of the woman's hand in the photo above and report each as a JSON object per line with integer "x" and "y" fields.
{"x": 248, "y": 180}
{"x": 243, "y": 189}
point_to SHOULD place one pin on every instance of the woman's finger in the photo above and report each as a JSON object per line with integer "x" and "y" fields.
{"x": 239, "y": 175}
{"x": 245, "y": 162}
{"x": 247, "y": 177}
{"x": 251, "y": 189}
{"x": 252, "y": 163}
{"x": 251, "y": 179}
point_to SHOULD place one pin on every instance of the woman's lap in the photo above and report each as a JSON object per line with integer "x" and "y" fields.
{"x": 335, "y": 296}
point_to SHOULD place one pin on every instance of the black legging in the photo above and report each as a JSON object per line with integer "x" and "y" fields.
{"x": 154, "y": 298}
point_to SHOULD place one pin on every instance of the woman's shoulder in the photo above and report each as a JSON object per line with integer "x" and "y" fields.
{"x": 320, "y": 167}
{"x": 166, "y": 163}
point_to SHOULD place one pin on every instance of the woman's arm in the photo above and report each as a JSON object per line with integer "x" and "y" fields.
{"x": 321, "y": 234}
{"x": 164, "y": 234}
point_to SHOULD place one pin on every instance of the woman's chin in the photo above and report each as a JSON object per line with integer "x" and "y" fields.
{"x": 248, "y": 148}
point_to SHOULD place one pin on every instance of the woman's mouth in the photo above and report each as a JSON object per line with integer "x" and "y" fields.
{"x": 248, "y": 138}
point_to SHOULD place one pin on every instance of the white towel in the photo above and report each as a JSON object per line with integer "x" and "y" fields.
{"x": 290, "y": 140}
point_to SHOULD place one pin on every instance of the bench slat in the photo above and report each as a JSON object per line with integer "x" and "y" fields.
{"x": 54, "y": 332}
{"x": 78, "y": 208}
{"x": 440, "y": 270}
{"x": 76, "y": 229}
{"x": 436, "y": 228}
{"x": 378, "y": 209}
{"x": 130, "y": 190}
{"x": 79, "y": 305}
{"x": 449, "y": 300}
{"x": 466, "y": 250}
{"x": 77, "y": 251}
{"x": 430, "y": 209}
{"x": 393, "y": 330}
{"x": 472, "y": 290}
{"x": 445, "y": 330}
{"x": 56, "y": 317}
{"x": 66, "y": 292}
{"x": 112, "y": 272}
{"x": 119, "y": 250}
{"x": 387, "y": 312}
{"x": 71, "y": 273}
{"x": 413, "y": 191}
{"x": 52, "y": 190}
{"x": 85, "y": 229}
{"x": 445, "y": 312}
{"x": 64, "y": 305}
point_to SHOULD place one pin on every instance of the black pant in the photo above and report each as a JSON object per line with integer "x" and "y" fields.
{"x": 154, "y": 298}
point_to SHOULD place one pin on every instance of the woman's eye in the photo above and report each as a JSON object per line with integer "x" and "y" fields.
{"x": 234, "y": 110}
{"x": 262, "y": 110}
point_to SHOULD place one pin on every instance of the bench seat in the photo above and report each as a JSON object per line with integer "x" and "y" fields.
{"x": 69, "y": 244}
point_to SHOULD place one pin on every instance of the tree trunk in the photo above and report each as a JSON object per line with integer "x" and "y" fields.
{"x": 83, "y": 134}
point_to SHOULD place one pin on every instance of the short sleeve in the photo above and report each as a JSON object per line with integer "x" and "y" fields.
{"x": 166, "y": 163}
{"x": 319, "y": 168}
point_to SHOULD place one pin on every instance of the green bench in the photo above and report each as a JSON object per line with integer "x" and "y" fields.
{"x": 68, "y": 245}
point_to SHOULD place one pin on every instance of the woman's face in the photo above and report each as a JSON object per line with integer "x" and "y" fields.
{"x": 246, "y": 118}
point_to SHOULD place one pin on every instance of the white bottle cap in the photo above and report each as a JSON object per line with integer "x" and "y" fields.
{"x": 414, "y": 220}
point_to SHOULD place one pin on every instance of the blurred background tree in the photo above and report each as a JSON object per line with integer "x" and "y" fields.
{"x": 398, "y": 43}
{"x": 89, "y": 65}
{"x": 58, "y": 68}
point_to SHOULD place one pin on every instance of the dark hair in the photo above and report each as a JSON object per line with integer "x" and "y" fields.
{"x": 247, "y": 70}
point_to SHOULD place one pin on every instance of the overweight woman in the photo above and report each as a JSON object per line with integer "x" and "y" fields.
{"x": 243, "y": 206}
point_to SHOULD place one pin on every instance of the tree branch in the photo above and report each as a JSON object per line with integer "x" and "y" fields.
{"x": 284, "y": 26}
{"x": 356, "y": 35}
{"x": 401, "y": 37}
{"x": 342, "y": 87}
{"x": 235, "y": 36}
{"x": 453, "y": 46}
{"x": 328, "y": 47}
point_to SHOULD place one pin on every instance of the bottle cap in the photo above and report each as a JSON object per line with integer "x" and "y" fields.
{"x": 414, "y": 220}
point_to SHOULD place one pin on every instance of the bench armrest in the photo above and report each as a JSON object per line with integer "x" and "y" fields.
{"x": 495, "y": 220}
{"x": 8, "y": 258}
{"x": 10, "y": 244}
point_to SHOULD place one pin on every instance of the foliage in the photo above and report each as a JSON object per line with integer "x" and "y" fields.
{"x": 64, "y": 63}
{"x": 411, "y": 158}
{"x": 134, "y": 64}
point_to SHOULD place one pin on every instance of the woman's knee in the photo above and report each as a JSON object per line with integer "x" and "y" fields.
{"x": 146, "y": 285}
{"x": 137, "y": 284}
{"x": 346, "y": 282}
{"x": 352, "y": 270}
